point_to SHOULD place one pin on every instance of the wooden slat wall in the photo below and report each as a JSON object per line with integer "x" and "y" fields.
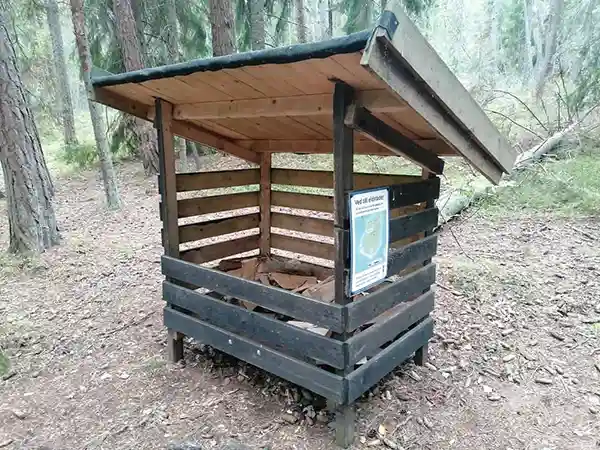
{"x": 324, "y": 179}
{"x": 216, "y": 227}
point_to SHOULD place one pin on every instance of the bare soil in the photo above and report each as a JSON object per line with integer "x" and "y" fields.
{"x": 82, "y": 328}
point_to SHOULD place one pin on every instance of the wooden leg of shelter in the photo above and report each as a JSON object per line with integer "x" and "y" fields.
{"x": 265, "y": 204}
{"x": 343, "y": 157}
{"x": 422, "y": 354}
{"x": 345, "y": 418}
{"x": 174, "y": 346}
{"x": 168, "y": 194}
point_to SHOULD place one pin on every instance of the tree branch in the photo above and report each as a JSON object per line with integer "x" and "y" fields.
{"x": 515, "y": 122}
{"x": 525, "y": 105}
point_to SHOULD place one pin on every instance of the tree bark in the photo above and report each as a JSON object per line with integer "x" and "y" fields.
{"x": 300, "y": 20}
{"x": 60, "y": 67}
{"x": 29, "y": 189}
{"x": 132, "y": 59}
{"x": 550, "y": 44}
{"x": 222, "y": 27}
{"x": 173, "y": 49}
{"x": 106, "y": 166}
{"x": 257, "y": 24}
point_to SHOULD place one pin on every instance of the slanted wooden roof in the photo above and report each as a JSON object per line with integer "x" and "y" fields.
{"x": 280, "y": 100}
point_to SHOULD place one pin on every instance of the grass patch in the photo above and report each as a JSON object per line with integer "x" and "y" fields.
{"x": 566, "y": 186}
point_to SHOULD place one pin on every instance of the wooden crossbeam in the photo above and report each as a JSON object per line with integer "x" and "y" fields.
{"x": 305, "y": 105}
{"x": 178, "y": 127}
{"x": 362, "y": 147}
{"x": 361, "y": 119}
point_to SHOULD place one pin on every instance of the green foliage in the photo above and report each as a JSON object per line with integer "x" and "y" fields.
{"x": 567, "y": 186}
{"x": 82, "y": 155}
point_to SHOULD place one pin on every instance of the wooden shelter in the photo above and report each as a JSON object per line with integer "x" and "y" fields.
{"x": 381, "y": 92}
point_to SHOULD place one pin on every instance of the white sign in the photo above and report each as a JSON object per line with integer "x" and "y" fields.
{"x": 369, "y": 231}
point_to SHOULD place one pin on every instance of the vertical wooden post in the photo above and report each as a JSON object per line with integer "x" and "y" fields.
{"x": 168, "y": 195}
{"x": 343, "y": 168}
{"x": 422, "y": 353}
{"x": 265, "y": 204}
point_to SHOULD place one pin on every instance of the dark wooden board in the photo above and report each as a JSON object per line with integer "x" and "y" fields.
{"x": 206, "y": 253}
{"x": 322, "y": 203}
{"x": 310, "y": 377}
{"x": 324, "y": 179}
{"x": 263, "y": 329}
{"x": 411, "y": 193}
{"x": 210, "y": 180}
{"x": 202, "y": 230}
{"x": 313, "y": 225}
{"x": 406, "y": 226}
{"x": 385, "y": 361}
{"x": 367, "y": 308}
{"x": 198, "y": 206}
{"x": 362, "y": 120}
{"x": 412, "y": 254}
{"x": 387, "y": 327}
{"x": 303, "y": 246}
{"x": 272, "y": 298}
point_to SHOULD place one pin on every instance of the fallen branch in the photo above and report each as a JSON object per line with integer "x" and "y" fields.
{"x": 453, "y": 202}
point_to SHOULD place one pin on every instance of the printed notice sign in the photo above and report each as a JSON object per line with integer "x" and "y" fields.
{"x": 369, "y": 230}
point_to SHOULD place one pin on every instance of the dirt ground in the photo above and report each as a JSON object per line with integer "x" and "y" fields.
{"x": 512, "y": 364}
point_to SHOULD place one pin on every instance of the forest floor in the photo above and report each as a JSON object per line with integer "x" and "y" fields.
{"x": 515, "y": 363}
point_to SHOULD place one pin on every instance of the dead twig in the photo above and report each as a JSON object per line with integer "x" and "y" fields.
{"x": 516, "y": 123}
{"x": 583, "y": 232}
{"x": 525, "y": 105}
{"x": 127, "y": 325}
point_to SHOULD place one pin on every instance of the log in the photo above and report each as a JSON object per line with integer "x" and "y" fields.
{"x": 453, "y": 202}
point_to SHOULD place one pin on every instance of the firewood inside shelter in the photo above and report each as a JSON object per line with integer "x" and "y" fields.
{"x": 263, "y": 262}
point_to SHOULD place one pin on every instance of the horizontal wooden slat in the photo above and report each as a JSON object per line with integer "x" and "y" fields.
{"x": 211, "y": 252}
{"x": 411, "y": 254}
{"x": 322, "y": 203}
{"x": 385, "y": 361}
{"x": 263, "y": 329}
{"x": 274, "y": 299}
{"x": 205, "y": 205}
{"x": 368, "y": 342}
{"x": 218, "y": 227}
{"x": 304, "y": 224}
{"x": 361, "y": 146}
{"x": 406, "y": 226}
{"x": 324, "y": 179}
{"x": 211, "y": 180}
{"x": 308, "y": 376}
{"x": 411, "y": 193}
{"x": 304, "y": 246}
{"x": 367, "y": 308}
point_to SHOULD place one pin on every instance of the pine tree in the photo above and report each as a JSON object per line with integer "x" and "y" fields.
{"x": 29, "y": 189}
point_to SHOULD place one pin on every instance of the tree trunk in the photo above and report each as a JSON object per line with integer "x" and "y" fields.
{"x": 300, "y": 20}
{"x": 173, "y": 49}
{"x": 60, "y": 67}
{"x": 257, "y": 24}
{"x": 330, "y": 18}
{"x": 550, "y": 44}
{"x": 222, "y": 27}
{"x": 132, "y": 59}
{"x": 29, "y": 189}
{"x": 85, "y": 60}
{"x": 528, "y": 37}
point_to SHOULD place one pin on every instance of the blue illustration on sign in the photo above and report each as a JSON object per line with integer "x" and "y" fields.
{"x": 369, "y": 229}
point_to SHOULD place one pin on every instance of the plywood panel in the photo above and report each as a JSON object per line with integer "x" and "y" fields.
{"x": 200, "y": 91}
{"x": 273, "y": 78}
{"x": 227, "y": 84}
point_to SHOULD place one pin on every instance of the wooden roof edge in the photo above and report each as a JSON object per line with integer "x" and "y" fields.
{"x": 352, "y": 43}
{"x": 416, "y": 59}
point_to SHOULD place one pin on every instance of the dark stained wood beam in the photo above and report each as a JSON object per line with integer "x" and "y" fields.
{"x": 361, "y": 119}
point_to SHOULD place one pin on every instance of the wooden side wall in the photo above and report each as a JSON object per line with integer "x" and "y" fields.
{"x": 210, "y": 216}
{"x": 299, "y": 194}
